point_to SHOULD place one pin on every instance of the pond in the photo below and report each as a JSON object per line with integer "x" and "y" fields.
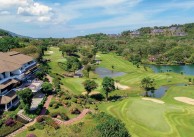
{"x": 185, "y": 69}
{"x": 104, "y": 72}
{"x": 160, "y": 92}
{"x": 157, "y": 93}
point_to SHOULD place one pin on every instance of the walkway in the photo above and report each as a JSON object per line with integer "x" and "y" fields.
{"x": 78, "y": 118}
{"x": 46, "y": 105}
{"x": 49, "y": 78}
{"x": 60, "y": 122}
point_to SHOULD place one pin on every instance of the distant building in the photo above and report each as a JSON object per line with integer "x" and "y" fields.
{"x": 157, "y": 31}
{"x": 114, "y": 35}
{"x": 135, "y": 33}
{"x": 14, "y": 68}
{"x": 177, "y": 31}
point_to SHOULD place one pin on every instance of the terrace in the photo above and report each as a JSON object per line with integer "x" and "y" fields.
{"x": 35, "y": 85}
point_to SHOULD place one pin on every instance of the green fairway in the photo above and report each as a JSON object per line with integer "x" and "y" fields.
{"x": 142, "y": 118}
{"x": 152, "y": 119}
{"x": 132, "y": 77}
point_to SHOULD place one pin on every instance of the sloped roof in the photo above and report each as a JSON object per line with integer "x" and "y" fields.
{"x": 7, "y": 98}
{"x": 7, "y": 83}
{"x": 11, "y": 61}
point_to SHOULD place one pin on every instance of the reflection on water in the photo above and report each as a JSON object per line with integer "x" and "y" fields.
{"x": 185, "y": 69}
{"x": 160, "y": 92}
{"x": 104, "y": 72}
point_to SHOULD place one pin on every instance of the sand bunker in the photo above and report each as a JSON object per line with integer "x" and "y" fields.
{"x": 92, "y": 93}
{"x": 185, "y": 100}
{"x": 50, "y": 52}
{"x": 154, "y": 100}
{"x": 121, "y": 87}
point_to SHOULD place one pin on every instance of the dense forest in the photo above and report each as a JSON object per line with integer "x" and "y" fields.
{"x": 158, "y": 45}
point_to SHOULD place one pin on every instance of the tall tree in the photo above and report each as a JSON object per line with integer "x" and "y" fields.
{"x": 147, "y": 83}
{"x": 25, "y": 97}
{"x": 68, "y": 49}
{"x": 72, "y": 64}
{"x": 88, "y": 68}
{"x": 89, "y": 85}
{"x": 108, "y": 85}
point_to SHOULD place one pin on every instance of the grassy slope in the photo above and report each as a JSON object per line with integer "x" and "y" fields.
{"x": 141, "y": 117}
{"x": 74, "y": 85}
{"x": 64, "y": 131}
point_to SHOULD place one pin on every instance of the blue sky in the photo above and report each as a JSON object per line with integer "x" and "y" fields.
{"x": 70, "y": 18}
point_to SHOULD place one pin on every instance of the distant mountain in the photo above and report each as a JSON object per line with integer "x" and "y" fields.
{"x": 9, "y": 33}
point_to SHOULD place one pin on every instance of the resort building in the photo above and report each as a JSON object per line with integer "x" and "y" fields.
{"x": 14, "y": 69}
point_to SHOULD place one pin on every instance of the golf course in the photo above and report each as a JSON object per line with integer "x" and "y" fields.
{"x": 160, "y": 117}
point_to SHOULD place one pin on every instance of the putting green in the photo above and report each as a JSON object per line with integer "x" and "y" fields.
{"x": 143, "y": 118}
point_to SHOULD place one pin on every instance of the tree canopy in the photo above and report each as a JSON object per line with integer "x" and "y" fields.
{"x": 110, "y": 127}
{"x": 108, "y": 85}
{"x": 47, "y": 88}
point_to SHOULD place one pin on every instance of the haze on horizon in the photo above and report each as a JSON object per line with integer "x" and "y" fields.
{"x": 70, "y": 18}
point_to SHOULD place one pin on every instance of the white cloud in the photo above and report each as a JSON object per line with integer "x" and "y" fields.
{"x": 10, "y": 3}
{"x": 44, "y": 19}
{"x": 35, "y": 9}
{"x": 4, "y": 12}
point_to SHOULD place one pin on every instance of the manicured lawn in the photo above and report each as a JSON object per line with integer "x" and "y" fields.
{"x": 152, "y": 119}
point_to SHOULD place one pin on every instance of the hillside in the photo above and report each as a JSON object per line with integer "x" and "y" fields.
{"x": 11, "y": 34}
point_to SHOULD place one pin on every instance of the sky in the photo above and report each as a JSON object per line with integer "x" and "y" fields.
{"x": 71, "y": 18}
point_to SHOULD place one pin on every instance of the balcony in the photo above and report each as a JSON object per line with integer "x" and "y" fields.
{"x": 28, "y": 67}
{"x": 19, "y": 76}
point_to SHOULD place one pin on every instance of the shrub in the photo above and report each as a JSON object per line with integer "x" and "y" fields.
{"x": 1, "y": 123}
{"x": 56, "y": 105}
{"x": 79, "y": 101}
{"x": 90, "y": 101}
{"x": 98, "y": 97}
{"x": 67, "y": 97}
{"x": 75, "y": 111}
{"x": 13, "y": 115}
{"x": 75, "y": 96}
{"x": 87, "y": 107}
{"x": 64, "y": 116}
{"x": 31, "y": 135}
{"x": 54, "y": 114}
{"x": 31, "y": 128}
{"x": 69, "y": 104}
{"x": 10, "y": 122}
{"x": 39, "y": 126}
{"x": 51, "y": 104}
{"x": 51, "y": 122}
{"x": 39, "y": 119}
{"x": 74, "y": 100}
{"x": 81, "y": 96}
{"x": 96, "y": 107}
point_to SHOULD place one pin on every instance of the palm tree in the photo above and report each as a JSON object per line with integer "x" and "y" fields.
{"x": 147, "y": 83}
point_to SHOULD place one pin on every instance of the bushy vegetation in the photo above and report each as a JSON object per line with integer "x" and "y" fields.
{"x": 109, "y": 126}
